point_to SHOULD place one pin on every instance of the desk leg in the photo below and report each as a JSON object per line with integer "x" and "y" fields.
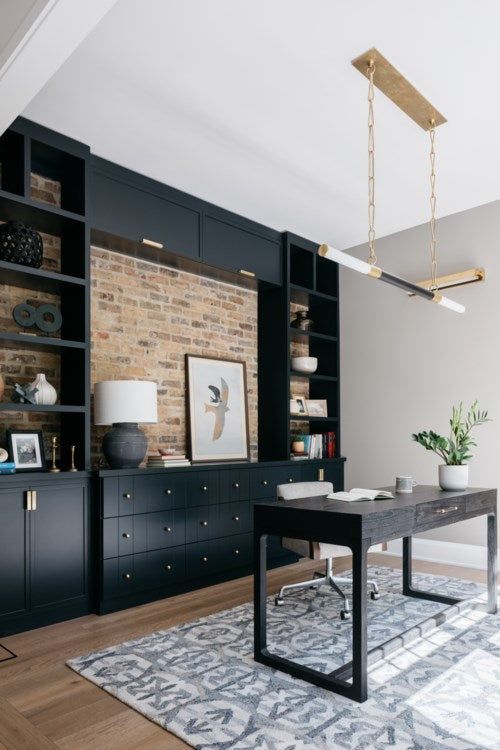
{"x": 359, "y": 622}
{"x": 260, "y": 592}
{"x": 492, "y": 563}
{"x": 407, "y": 565}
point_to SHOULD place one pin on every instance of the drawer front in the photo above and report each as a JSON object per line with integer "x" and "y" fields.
{"x": 203, "y": 488}
{"x": 440, "y": 512}
{"x": 161, "y": 568}
{"x": 201, "y": 560}
{"x": 132, "y": 535}
{"x": 166, "y": 529}
{"x": 202, "y": 523}
{"x": 235, "y": 551}
{"x": 234, "y": 518}
{"x": 234, "y": 485}
{"x": 160, "y": 492}
{"x": 218, "y": 555}
{"x": 118, "y": 496}
{"x": 119, "y": 576}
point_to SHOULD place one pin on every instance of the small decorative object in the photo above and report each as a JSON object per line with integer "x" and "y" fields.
{"x": 298, "y": 406}
{"x": 317, "y": 407}
{"x": 72, "y": 453}
{"x": 20, "y": 244}
{"x": 302, "y": 321}
{"x": 3, "y": 455}
{"x": 218, "y": 409}
{"x": 45, "y": 393}
{"x": 47, "y": 317}
{"x": 26, "y": 449}
{"x": 2, "y": 387}
{"x": 405, "y": 485}
{"x": 55, "y": 446}
{"x": 455, "y": 450}
{"x": 24, "y": 394}
{"x": 298, "y": 447}
{"x": 123, "y": 404}
{"x": 305, "y": 364}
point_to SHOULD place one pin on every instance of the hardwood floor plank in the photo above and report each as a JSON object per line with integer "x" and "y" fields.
{"x": 17, "y": 733}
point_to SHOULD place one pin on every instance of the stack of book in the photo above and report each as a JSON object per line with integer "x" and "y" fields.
{"x": 7, "y": 468}
{"x": 320, "y": 445}
{"x": 166, "y": 461}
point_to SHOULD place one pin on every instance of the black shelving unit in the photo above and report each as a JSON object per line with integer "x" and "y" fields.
{"x": 310, "y": 282}
{"x": 28, "y": 148}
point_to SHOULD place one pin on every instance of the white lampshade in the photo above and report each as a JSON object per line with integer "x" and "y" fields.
{"x": 125, "y": 401}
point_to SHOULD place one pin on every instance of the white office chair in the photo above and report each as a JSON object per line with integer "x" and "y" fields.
{"x": 317, "y": 550}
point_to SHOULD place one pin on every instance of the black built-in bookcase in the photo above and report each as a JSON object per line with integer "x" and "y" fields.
{"x": 25, "y": 149}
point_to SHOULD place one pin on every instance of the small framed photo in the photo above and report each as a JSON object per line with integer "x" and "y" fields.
{"x": 26, "y": 449}
{"x": 317, "y": 407}
{"x": 298, "y": 406}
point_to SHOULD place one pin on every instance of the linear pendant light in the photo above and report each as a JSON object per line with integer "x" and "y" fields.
{"x": 402, "y": 93}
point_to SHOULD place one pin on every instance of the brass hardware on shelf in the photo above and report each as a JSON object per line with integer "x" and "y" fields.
{"x": 28, "y": 499}
{"x": 72, "y": 454}
{"x": 204, "y": 523}
{"x": 321, "y": 475}
{"x": 54, "y": 468}
{"x": 168, "y": 529}
{"x": 152, "y": 243}
{"x": 126, "y": 576}
{"x": 247, "y": 273}
{"x": 127, "y": 496}
{"x": 125, "y": 535}
{"x": 236, "y": 518}
{"x": 33, "y": 500}
{"x": 167, "y": 567}
{"x": 447, "y": 510}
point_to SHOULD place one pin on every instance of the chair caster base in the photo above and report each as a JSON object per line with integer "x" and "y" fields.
{"x": 278, "y": 601}
{"x": 374, "y": 595}
{"x": 345, "y": 615}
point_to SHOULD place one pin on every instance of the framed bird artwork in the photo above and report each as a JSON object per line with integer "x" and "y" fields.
{"x": 217, "y": 409}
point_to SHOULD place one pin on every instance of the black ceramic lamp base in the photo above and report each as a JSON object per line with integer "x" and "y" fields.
{"x": 124, "y": 446}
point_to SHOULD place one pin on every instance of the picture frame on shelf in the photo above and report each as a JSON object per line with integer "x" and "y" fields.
{"x": 317, "y": 407}
{"x": 217, "y": 409}
{"x": 26, "y": 449}
{"x": 298, "y": 406}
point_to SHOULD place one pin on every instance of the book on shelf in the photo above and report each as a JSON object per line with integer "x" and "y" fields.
{"x": 7, "y": 467}
{"x": 357, "y": 494}
{"x": 157, "y": 461}
{"x": 317, "y": 445}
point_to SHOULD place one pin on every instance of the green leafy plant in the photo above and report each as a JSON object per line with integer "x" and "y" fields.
{"x": 454, "y": 450}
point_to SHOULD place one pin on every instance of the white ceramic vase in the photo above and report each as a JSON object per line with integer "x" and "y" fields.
{"x": 453, "y": 477}
{"x": 46, "y": 393}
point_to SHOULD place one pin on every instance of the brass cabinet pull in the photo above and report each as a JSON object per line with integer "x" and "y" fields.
{"x": 236, "y": 518}
{"x": 321, "y": 475}
{"x": 204, "y": 559}
{"x": 127, "y": 496}
{"x": 167, "y": 567}
{"x": 168, "y": 529}
{"x": 447, "y": 510}
{"x": 264, "y": 482}
{"x": 152, "y": 243}
{"x": 33, "y": 500}
{"x": 244, "y": 272}
{"x": 204, "y": 523}
{"x": 127, "y": 576}
{"x": 168, "y": 492}
{"x": 236, "y": 485}
{"x": 28, "y": 499}
{"x": 204, "y": 488}
{"x": 126, "y": 535}
{"x": 236, "y": 551}
{"x": 290, "y": 479}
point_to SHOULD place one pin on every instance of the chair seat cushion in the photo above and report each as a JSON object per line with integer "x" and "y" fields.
{"x": 315, "y": 550}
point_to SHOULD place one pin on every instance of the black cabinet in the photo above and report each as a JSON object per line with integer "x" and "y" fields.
{"x": 44, "y": 552}
{"x": 227, "y": 245}
{"x": 123, "y": 209}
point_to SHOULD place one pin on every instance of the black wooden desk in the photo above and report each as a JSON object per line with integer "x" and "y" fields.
{"x": 358, "y": 526}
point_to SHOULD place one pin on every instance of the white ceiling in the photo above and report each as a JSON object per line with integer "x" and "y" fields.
{"x": 254, "y": 105}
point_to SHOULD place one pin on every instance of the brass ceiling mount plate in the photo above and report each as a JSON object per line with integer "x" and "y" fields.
{"x": 399, "y": 90}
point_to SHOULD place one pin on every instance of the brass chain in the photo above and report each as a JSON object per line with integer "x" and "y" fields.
{"x": 372, "y": 257}
{"x": 432, "y": 223}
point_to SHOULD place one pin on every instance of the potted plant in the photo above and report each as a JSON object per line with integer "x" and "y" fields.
{"x": 454, "y": 450}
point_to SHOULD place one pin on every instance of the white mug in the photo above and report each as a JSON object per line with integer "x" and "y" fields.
{"x": 405, "y": 484}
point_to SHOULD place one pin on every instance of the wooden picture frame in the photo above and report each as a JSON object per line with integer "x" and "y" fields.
{"x": 26, "y": 449}
{"x": 217, "y": 409}
{"x": 301, "y": 403}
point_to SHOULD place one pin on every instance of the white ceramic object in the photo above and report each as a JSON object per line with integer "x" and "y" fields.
{"x": 46, "y": 393}
{"x": 453, "y": 477}
{"x": 3, "y": 455}
{"x": 305, "y": 364}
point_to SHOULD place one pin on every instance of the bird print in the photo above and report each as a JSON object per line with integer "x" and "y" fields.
{"x": 218, "y": 406}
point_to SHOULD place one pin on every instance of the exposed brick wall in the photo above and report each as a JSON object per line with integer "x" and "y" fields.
{"x": 146, "y": 317}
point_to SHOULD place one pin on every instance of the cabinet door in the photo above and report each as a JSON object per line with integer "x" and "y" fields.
{"x": 59, "y": 541}
{"x": 229, "y": 246}
{"x": 14, "y": 557}
{"x": 135, "y": 214}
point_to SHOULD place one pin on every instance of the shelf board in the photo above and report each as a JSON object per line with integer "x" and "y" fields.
{"x": 296, "y": 335}
{"x": 301, "y": 294}
{"x": 14, "y": 274}
{"x": 307, "y": 418}
{"x": 54, "y": 408}
{"x": 313, "y": 376}
{"x": 14, "y": 340}
{"x": 41, "y": 216}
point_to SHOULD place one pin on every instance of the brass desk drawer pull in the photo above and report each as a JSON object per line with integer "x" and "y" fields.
{"x": 447, "y": 510}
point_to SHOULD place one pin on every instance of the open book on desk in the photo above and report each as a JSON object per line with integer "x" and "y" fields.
{"x": 358, "y": 494}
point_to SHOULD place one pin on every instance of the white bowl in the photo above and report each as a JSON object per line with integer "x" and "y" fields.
{"x": 305, "y": 364}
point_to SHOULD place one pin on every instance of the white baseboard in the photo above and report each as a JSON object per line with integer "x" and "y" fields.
{"x": 463, "y": 555}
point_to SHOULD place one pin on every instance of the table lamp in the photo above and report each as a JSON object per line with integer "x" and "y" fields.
{"x": 124, "y": 403}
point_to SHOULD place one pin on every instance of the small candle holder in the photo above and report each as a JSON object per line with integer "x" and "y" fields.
{"x": 72, "y": 450}
{"x": 54, "y": 468}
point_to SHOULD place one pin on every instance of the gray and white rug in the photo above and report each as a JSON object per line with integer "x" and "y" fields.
{"x": 200, "y": 682}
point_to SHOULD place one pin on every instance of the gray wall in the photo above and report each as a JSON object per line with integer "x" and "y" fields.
{"x": 405, "y": 362}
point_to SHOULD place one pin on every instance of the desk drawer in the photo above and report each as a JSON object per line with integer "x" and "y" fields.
{"x": 440, "y": 512}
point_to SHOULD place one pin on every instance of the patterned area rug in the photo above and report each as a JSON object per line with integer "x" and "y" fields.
{"x": 199, "y": 680}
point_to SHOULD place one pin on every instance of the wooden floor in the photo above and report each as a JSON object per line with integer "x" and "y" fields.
{"x": 44, "y": 704}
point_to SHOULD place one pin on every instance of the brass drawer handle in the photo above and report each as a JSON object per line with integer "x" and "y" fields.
{"x": 204, "y": 523}
{"x": 167, "y": 529}
{"x": 126, "y": 535}
{"x": 264, "y": 482}
{"x": 447, "y": 510}
{"x": 168, "y": 492}
{"x": 244, "y": 272}
{"x": 290, "y": 479}
{"x": 204, "y": 559}
{"x": 127, "y": 576}
{"x": 236, "y": 551}
{"x": 204, "y": 488}
{"x": 236, "y": 518}
{"x": 167, "y": 567}
{"x": 127, "y": 496}
{"x": 236, "y": 485}
{"x": 152, "y": 243}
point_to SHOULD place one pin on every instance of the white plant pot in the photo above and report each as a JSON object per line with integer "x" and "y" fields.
{"x": 453, "y": 477}
{"x": 46, "y": 393}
